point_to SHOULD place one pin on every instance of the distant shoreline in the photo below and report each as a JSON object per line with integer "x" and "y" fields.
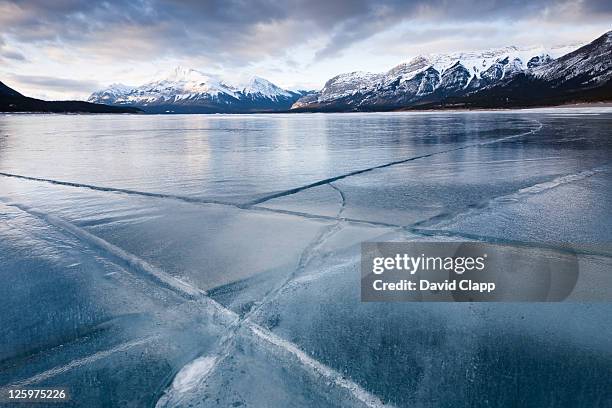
{"x": 607, "y": 104}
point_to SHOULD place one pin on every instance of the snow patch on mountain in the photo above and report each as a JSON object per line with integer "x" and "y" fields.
{"x": 347, "y": 84}
{"x": 478, "y": 61}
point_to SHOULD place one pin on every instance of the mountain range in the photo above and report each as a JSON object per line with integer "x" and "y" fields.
{"x": 501, "y": 78}
{"x": 187, "y": 90}
{"x": 507, "y": 77}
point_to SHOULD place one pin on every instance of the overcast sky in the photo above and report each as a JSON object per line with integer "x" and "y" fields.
{"x": 62, "y": 49}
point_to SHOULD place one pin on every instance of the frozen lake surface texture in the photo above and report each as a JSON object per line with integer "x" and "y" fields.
{"x": 213, "y": 261}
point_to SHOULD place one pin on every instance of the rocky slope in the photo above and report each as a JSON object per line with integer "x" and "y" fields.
{"x": 584, "y": 75}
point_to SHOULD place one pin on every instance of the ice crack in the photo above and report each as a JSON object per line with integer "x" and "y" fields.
{"x": 382, "y": 166}
{"x": 144, "y": 269}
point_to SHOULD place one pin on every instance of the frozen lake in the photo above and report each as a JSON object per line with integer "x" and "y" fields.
{"x": 213, "y": 260}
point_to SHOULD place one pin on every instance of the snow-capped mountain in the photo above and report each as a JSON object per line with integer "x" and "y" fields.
{"x": 258, "y": 87}
{"x": 185, "y": 90}
{"x": 110, "y": 94}
{"x": 583, "y": 75}
{"x": 433, "y": 79}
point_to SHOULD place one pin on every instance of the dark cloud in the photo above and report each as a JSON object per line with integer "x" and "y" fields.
{"x": 14, "y": 55}
{"x": 9, "y": 54}
{"x": 382, "y": 15}
{"x": 240, "y": 31}
{"x": 598, "y": 6}
{"x": 58, "y": 84}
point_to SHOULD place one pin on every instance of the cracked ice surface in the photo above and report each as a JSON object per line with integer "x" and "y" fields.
{"x": 230, "y": 158}
{"x": 214, "y": 260}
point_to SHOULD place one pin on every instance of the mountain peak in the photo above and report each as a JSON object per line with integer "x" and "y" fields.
{"x": 410, "y": 68}
{"x": 183, "y": 74}
{"x": 254, "y": 79}
{"x": 120, "y": 87}
{"x": 257, "y": 85}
